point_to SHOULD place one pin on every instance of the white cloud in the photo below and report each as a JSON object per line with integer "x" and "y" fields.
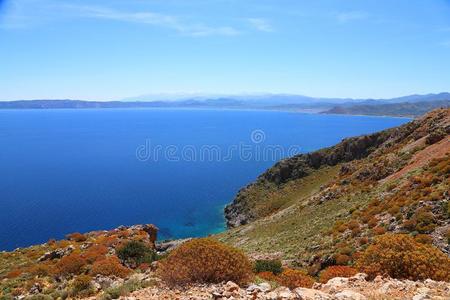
{"x": 25, "y": 14}
{"x": 345, "y": 17}
{"x": 156, "y": 19}
{"x": 260, "y": 24}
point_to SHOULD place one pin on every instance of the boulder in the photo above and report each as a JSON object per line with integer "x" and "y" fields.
{"x": 58, "y": 253}
{"x": 230, "y": 286}
{"x": 311, "y": 294}
{"x": 265, "y": 287}
{"x": 349, "y": 295}
{"x": 335, "y": 284}
{"x": 421, "y": 297}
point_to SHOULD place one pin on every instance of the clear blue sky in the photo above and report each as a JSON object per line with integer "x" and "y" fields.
{"x": 113, "y": 49}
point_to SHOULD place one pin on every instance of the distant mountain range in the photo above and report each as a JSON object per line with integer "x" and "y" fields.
{"x": 411, "y": 105}
{"x": 402, "y": 109}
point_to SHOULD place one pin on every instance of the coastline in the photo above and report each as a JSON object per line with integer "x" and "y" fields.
{"x": 246, "y": 109}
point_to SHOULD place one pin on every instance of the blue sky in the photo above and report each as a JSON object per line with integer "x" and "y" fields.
{"x": 103, "y": 50}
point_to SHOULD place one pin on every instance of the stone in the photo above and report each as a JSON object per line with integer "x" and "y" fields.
{"x": 271, "y": 296}
{"x": 252, "y": 288}
{"x": 311, "y": 294}
{"x": 152, "y": 232}
{"x": 154, "y": 265}
{"x": 102, "y": 282}
{"x": 421, "y": 297}
{"x": 359, "y": 277}
{"x": 349, "y": 295}
{"x": 36, "y": 288}
{"x": 335, "y": 284}
{"x": 58, "y": 253}
{"x": 284, "y": 293}
{"x": 230, "y": 286}
{"x": 378, "y": 279}
{"x": 423, "y": 290}
{"x": 265, "y": 287}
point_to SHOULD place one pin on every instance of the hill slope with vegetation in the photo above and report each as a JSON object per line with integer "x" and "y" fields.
{"x": 325, "y": 207}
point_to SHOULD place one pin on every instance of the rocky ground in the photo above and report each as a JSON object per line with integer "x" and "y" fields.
{"x": 354, "y": 288}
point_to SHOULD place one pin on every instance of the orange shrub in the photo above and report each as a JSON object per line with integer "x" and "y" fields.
{"x": 400, "y": 256}
{"x": 353, "y": 224}
{"x": 372, "y": 222}
{"x": 363, "y": 240}
{"x": 76, "y": 236}
{"x": 14, "y": 273}
{"x": 70, "y": 265}
{"x": 342, "y": 259}
{"x": 379, "y": 230}
{"x": 423, "y": 239}
{"x": 40, "y": 269}
{"x": 144, "y": 267}
{"x": 356, "y": 232}
{"x": 108, "y": 267}
{"x": 108, "y": 241}
{"x": 269, "y": 276}
{"x": 394, "y": 210}
{"x": 205, "y": 261}
{"x": 295, "y": 278}
{"x": 409, "y": 225}
{"x": 95, "y": 253}
{"x": 336, "y": 271}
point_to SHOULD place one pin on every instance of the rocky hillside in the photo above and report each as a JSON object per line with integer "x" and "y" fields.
{"x": 316, "y": 208}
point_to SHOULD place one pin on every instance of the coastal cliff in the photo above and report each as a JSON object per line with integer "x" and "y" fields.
{"x": 314, "y": 208}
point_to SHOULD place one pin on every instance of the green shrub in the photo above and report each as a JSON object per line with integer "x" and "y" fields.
{"x": 205, "y": 261}
{"x": 135, "y": 253}
{"x": 273, "y": 266}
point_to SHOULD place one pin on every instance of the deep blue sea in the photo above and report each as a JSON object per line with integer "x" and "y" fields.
{"x": 63, "y": 171}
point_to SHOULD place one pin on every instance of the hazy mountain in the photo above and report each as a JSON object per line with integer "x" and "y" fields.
{"x": 410, "y": 109}
{"x": 408, "y": 105}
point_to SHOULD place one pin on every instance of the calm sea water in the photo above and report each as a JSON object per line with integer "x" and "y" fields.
{"x": 63, "y": 171}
